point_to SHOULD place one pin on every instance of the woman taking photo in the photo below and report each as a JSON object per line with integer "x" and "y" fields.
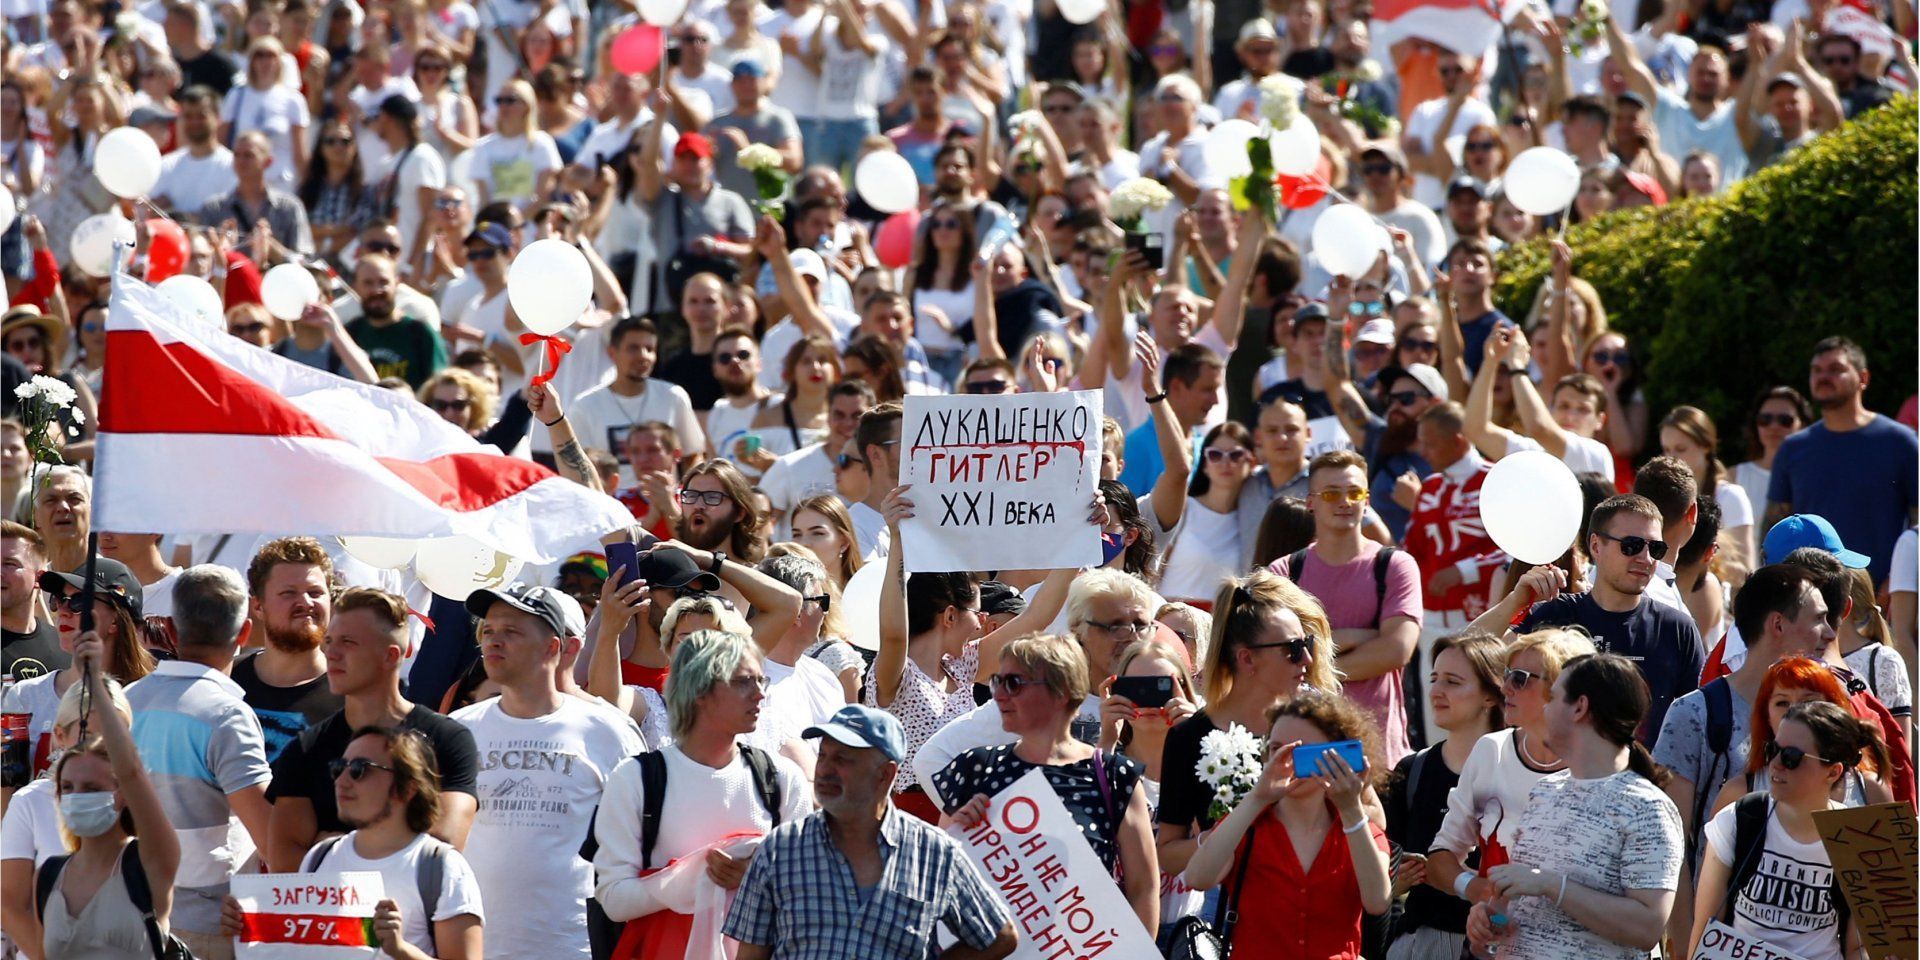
{"x": 1140, "y": 734}
{"x": 1779, "y": 413}
{"x": 1767, "y": 874}
{"x": 334, "y": 190}
{"x": 822, "y": 524}
{"x": 1040, "y": 685}
{"x": 942, "y": 288}
{"x": 1600, "y": 846}
{"x": 1303, "y": 840}
{"x": 1464, "y": 691}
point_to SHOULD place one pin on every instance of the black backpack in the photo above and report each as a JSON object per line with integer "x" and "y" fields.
{"x": 1380, "y": 562}
{"x": 603, "y": 932}
{"x": 1750, "y": 814}
{"x": 165, "y": 946}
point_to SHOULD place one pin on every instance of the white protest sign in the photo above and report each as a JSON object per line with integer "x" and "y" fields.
{"x": 323, "y": 916}
{"x": 1721, "y": 942}
{"x": 1874, "y": 37}
{"x": 1034, "y": 859}
{"x": 1001, "y": 482}
{"x": 1328, "y": 436}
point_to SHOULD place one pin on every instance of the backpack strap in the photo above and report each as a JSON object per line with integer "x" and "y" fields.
{"x": 1381, "y": 563}
{"x": 326, "y": 847}
{"x": 766, "y": 781}
{"x": 1414, "y": 771}
{"x": 653, "y": 799}
{"x": 1750, "y": 814}
{"x": 44, "y": 880}
{"x": 1719, "y": 702}
{"x": 429, "y": 875}
{"x": 1294, "y": 562}
{"x": 134, "y": 873}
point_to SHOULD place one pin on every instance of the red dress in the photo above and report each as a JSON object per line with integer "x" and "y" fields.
{"x": 1291, "y": 913}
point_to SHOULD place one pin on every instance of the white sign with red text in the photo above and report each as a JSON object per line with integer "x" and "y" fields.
{"x": 322, "y": 916}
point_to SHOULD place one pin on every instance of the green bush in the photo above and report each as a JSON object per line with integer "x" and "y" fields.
{"x": 1724, "y": 296}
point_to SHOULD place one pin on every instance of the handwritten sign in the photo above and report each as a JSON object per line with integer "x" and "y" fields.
{"x": 1874, "y": 861}
{"x": 1721, "y": 942}
{"x": 1063, "y": 901}
{"x": 1001, "y": 481}
{"x": 324, "y": 916}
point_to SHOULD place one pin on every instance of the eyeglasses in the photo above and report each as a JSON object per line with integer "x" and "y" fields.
{"x": 1617, "y": 358}
{"x": 1336, "y": 496}
{"x": 450, "y": 406}
{"x": 506, "y": 101}
{"x": 448, "y": 203}
{"x": 823, "y": 601}
{"x": 1376, "y": 169}
{"x": 1123, "y": 628}
{"x": 1297, "y": 650}
{"x": 846, "y": 460}
{"x": 989, "y": 386}
{"x": 355, "y": 769}
{"x": 1790, "y": 757}
{"x": 1219, "y": 455}
{"x": 246, "y": 329}
{"x": 1482, "y": 146}
{"x": 1518, "y": 679}
{"x": 426, "y": 65}
{"x": 379, "y": 246}
{"x": 711, "y": 498}
{"x": 482, "y": 253}
{"x": 1404, "y": 398}
{"x": 1631, "y": 546}
{"x": 1011, "y": 684}
{"x": 745, "y": 686}
{"x": 737, "y": 356}
{"x": 1775, "y": 420}
{"x": 945, "y": 223}
{"x": 1421, "y": 345}
{"x": 336, "y": 141}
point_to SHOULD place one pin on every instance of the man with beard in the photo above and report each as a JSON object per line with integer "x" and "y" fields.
{"x": 201, "y": 167}
{"x": 141, "y": 553}
{"x": 812, "y": 470}
{"x": 736, "y": 367}
{"x": 291, "y": 584}
{"x": 953, "y": 183}
{"x": 1704, "y": 118}
{"x": 603, "y": 416}
{"x": 399, "y": 344}
{"x": 717, "y": 513}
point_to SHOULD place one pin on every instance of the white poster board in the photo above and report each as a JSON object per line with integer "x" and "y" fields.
{"x": 1001, "y": 482}
{"x": 321, "y": 916}
{"x": 1063, "y": 902}
{"x": 1721, "y": 942}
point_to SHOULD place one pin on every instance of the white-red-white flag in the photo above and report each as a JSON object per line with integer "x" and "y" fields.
{"x": 1468, "y": 27}
{"x": 201, "y": 433}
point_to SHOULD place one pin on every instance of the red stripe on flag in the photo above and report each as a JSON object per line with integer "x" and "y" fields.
{"x": 468, "y": 481}
{"x": 304, "y": 928}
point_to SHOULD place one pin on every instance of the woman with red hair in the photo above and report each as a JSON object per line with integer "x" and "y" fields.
{"x": 1791, "y": 682}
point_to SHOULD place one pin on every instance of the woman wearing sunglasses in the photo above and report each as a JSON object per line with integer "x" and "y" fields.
{"x": 1607, "y": 359}
{"x": 1778, "y": 413}
{"x": 448, "y": 121}
{"x": 1767, "y": 873}
{"x": 1789, "y": 684}
{"x": 334, "y": 190}
{"x": 518, "y": 161}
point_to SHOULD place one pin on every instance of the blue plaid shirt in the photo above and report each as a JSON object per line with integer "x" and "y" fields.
{"x": 799, "y": 895}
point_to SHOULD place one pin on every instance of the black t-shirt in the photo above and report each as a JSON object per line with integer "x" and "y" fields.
{"x": 1662, "y": 642}
{"x": 1183, "y": 798}
{"x": 301, "y": 770}
{"x": 1017, "y": 309}
{"x": 284, "y": 711}
{"x": 693, "y": 372}
{"x": 1314, "y": 402}
{"x": 1413, "y": 819}
{"x": 29, "y": 655}
{"x": 212, "y": 69}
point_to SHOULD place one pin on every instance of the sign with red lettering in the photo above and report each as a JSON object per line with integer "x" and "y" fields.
{"x": 1721, "y": 942}
{"x": 1001, "y": 481}
{"x": 1065, "y": 905}
{"x": 1874, "y": 862}
{"x": 324, "y": 916}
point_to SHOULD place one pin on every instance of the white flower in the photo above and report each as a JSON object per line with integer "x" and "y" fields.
{"x": 1367, "y": 72}
{"x": 759, "y": 156}
{"x": 1135, "y": 197}
{"x": 1026, "y": 123}
{"x": 46, "y": 389}
{"x": 79, "y": 416}
{"x": 1280, "y": 100}
{"x": 1594, "y": 11}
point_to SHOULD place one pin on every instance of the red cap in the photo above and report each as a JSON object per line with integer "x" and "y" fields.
{"x": 1648, "y": 186}
{"x": 694, "y": 144}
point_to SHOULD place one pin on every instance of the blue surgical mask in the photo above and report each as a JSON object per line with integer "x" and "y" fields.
{"x": 1112, "y": 545}
{"x": 89, "y": 814}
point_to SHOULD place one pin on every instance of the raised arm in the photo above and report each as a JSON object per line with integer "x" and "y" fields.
{"x": 890, "y": 666}
{"x": 1535, "y": 418}
{"x": 1453, "y": 344}
{"x": 568, "y": 455}
{"x": 986, "y": 322}
{"x": 1639, "y": 78}
{"x": 650, "y": 179}
{"x": 774, "y": 604}
{"x": 159, "y": 845}
{"x": 1230, "y": 309}
{"x": 1348, "y": 405}
{"x": 1113, "y": 314}
{"x": 619, "y": 605}
{"x": 771, "y": 243}
{"x": 1491, "y": 440}
{"x": 1169, "y": 495}
{"x": 1561, "y": 349}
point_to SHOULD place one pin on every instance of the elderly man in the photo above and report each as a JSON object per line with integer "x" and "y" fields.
{"x": 797, "y": 900}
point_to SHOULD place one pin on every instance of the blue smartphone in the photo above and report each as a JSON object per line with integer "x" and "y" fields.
{"x": 624, "y": 554}
{"x": 1306, "y": 757}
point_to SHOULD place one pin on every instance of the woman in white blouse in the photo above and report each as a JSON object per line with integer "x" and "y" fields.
{"x": 267, "y": 104}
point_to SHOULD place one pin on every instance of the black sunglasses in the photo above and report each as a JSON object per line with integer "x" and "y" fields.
{"x": 1790, "y": 757}
{"x": 1376, "y": 169}
{"x": 846, "y": 460}
{"x": 1775, "y": 420}
{"x": 1421, "y": 345}
{"x": 823, "y": 601}
{"x": 1404, "y": 398}
{"x": 1619, "y": 358}
{"x": 988, "y": 386}
{"x": 1631, "y": 546}
{"x": 1481, "y": 147}
{"x": 1297, "y": 650}
{"x": 484, "y": 253}
{"x": 1518, "y": 679}
{"x": 355, "y": 769}
{"x": 711, "y": 498}
{"x": 449, "y": 406}
{"x": 336, "y": 141}
{"x": 737, "y": 356}
{"x": 380, "y": 246}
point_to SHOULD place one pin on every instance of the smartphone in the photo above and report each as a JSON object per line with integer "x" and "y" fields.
{"x": 1147, "y": 693}
{"x": 673, "y": 54}
{"x": 624, "y": 554}
{"x": 1152, "y": 246}
{"x": 1306, "y": 757}
{"x": 752, "y": 441}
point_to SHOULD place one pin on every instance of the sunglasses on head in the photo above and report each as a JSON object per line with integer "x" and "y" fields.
{"x": 1297, "y": 650}
{"x": 711, "y": 498}
{"x": 988, "y": 386}
{"x": 1618, "y": 358}
{"x": 355, "y": 769}
{"x": 1218, "y": 455}
{"x": 1518, "y": 679}
{"x": 1631, "y": 546}
{"x": 1334, "y": 496}
{"x": 1775, "y": 420}
{"x": 1790, "y": 757}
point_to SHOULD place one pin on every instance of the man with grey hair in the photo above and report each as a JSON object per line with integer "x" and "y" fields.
{"x": 63, "y": 513}
{"x": 801, "y": 692}
{"x": 686, "y": 797}
{"x": 204, "y": 750}
{"x": 545, "y": 757}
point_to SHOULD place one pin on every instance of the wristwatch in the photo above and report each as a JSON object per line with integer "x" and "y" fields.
{"x": 714, "y": 567}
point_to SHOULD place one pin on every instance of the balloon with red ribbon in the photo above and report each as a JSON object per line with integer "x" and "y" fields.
{"x": 166, "y": 249}
{"x": 1299, "y": 193}
{"x": 556, "y": 346}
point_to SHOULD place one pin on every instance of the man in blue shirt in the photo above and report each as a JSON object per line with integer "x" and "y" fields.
{"x": 1854, "y": 467}
{"x": 1190, "y": 378}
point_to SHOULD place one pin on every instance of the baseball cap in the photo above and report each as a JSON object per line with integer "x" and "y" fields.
{"x": 1630, "y": 96}
{"x": 1379, "y": 330}
{"x": 997, "y": 598}
{"x": 1789, "y": 78}
{"x": 400, "y": 108}
{"x": 558, "y": 610}
{"x": 693, "y": 145}
{"x": 808, "y": 263}
{"x": 1466, "y": 183}
{"x": 1389, "y": 151}
{"x": 112, "y": 582}
{"x": 1808, "y": 530}
{"x": 1258, "y": 28}
{"x": 749, "y": 67}
{"x": 1311, "y": 310}
{"x": 673, "y": 570}
{"x": 148, "y": 113}
{"x": 861, "y": 727}
{"x": 1423, "y": 374}
{"x": 492, "y": 234}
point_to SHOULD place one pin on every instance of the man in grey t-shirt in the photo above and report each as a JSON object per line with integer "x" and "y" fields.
{"x": 752, "y": 120}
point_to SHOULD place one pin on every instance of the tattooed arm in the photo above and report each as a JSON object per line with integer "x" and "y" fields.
{"x": 570, "y": 457}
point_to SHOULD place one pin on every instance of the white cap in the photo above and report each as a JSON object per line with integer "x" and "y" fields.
{"x": 1378, "y": 330}
{"x": 808, "y": 264}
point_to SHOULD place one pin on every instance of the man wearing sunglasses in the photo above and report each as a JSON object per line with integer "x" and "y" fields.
{"x": 1624, "y": 540}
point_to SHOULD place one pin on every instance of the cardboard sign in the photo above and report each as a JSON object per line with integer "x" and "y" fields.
{"x": 1001, "y": 482}
{"x": 323, "y": 916}
{"x": 1874, "y": 862}
{"x": 1721, "y": 942}
{"x": 1063, "y": 901}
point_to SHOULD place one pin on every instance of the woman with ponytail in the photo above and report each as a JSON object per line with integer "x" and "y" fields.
{"x": 1598, "y": 854}
{"x": 1767, "y": 874}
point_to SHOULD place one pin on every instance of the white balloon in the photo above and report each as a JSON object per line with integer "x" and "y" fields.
{"x": 1296, "y": 150}
{"x": 1082, "y": 11}
{"x": 386, "y": 553}
{"x": 197, "y": 296}
{"x": 861, "y": 601}
{"x": 1346, "y": 240}
{"x": 886, "y": 181}
{"x": 1542, "y": 181}
{"x": 127, "y": 162}
{"x": 663, "y": 13}
{"x": 7, "y": 209}
{"x": 550, "y": 285}
{"x": 455, "y": 567}
{"x": 1226, "y": 148}
{"x": 287, "y": 289}
{"x": 1531, "y": 506}
{"x": 93, "y": 240}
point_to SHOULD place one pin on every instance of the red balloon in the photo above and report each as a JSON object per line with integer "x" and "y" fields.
{"x": 637, "y": 50}
{"x": 894, "y": 242}
{"x": 1299, "y": 193}
{"x": 166, "y": 249}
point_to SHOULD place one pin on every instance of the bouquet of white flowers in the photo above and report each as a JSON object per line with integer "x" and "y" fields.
{"x": 1131, "y": 201}
{"x": 1280, "y": 100}
{"x": 1589, "y": 27}
{"x": 1230, "y": 763}
{"x": 43, "y": 402}
{"x": 769, "y": 176}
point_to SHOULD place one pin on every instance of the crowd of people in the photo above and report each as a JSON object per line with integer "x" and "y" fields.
{"x": 679, "y": 738}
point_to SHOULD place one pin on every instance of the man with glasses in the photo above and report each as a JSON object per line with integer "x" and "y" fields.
{"x": 736, "y": 366}
{"x": 709, "y": 84}
{"x": 483, "y": 312}
{"x": 1840, "y": 60}
{"x": 1385, "y": 179}
{"x": 1258, "y": 48}
{"x": 989, "y": 376}
{"x": 816, "y": 469}
{"x": 1177, "y": 155}
{"x": 201, "y": 167}
{"x": 1624, "y": 541}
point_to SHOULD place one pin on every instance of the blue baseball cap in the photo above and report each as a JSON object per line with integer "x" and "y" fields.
{"x": 861, "y": 727}
{"x": 749, "y": 67}
{"x": 492, "y": 234}
{"x": 1808, "y": 530}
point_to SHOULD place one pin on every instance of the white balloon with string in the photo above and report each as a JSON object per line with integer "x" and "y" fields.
{"x": 1296, "y": 150}
{"x": 1226, "y": 148}
{"x": 550, "y": 285}
{"x": 886, "y": 181}
{"x": 92, "y": 242}
{"x": 127, "y": 162}
{"x": 456, "y": 567}
{"x": 1346, "y": 240}
{"x": 287, "y": 290}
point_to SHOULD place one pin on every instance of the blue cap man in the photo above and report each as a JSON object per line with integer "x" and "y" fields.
{"x": 1808, "y": 530}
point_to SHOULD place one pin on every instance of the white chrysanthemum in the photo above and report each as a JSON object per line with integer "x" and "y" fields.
{"x": 1368, "y": 71}
{"x": 1135, "y": 197}
{"x": 1594, "y": 10}
{"x": 759, "y": 156}
{"x": 1025, "y": 123}
{"x": 79, "y": 416}
{"x": 1280, "y": 100}
{"x": 47, "y": 389}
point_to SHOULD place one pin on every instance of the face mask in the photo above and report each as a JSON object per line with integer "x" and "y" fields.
{"x": 1111, "y": 545}
{"x": 88, "y": 814}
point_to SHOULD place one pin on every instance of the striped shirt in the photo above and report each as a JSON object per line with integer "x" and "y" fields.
{"x": 799, "y": 895}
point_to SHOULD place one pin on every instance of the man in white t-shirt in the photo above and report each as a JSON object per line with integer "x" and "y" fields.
{"x": 406, "y": 185}
{"x": 1567, "y": 430}
{"x": 810, "y": 471}
{"x": 698, "y": 73}
{"x": 627, "y": 96}
{"x": 736, "y": 366}
{"x": 603, "y": 415}
{"x": 201, "y": 167}
{"x": 373, "y": 83}
{"x": 545, "y": 757}
{"x": 1177, "y": 155}
{"x": 1259, "y": 51}
{"x": 489, "y": 250}
{"x": 1436, "y": 122}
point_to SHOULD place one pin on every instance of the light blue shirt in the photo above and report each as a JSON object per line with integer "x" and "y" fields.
{"x": 1681, "y": 133}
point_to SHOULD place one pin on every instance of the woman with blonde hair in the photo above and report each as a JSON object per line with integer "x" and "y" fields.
{"x": 518, "y": 162}
{"x": 267, "y": 104}
{"x": 1866, "y": 641}
{"x": 463, "y": 399}
{"x": 1687, "y": 434}
{"x": 823, "y": 525}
